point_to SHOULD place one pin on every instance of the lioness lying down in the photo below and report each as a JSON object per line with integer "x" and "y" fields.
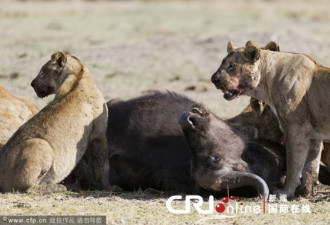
{"x": 14, "y": 111}
{"x": 295, "y": 87}
{"x": 45, "y": 149}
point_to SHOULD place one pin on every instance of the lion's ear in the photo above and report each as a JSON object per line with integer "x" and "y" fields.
{"x": 230, "y": 47}
{"x": 254, "y": 103}
{"x": 257, "y": 105}
{"x": 272, "y": 46}
{"x": 251, "y": 51}
{"x": 59, "y": 58}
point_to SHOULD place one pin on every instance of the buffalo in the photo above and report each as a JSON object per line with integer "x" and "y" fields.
{"x": 149, "y": 148}
{"x": 223, "y": 158}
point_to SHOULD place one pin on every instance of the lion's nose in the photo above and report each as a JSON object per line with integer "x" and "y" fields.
{"x": 215, "y": 78}
{"x": 33, "y": 83}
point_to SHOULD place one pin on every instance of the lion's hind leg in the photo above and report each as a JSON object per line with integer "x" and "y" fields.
{"x": 32, "y": 161}
{"x": 311, "y": 169}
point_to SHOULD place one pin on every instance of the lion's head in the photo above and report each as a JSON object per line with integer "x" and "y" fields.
{"x": 238, "y": 72}
{"x": 54, "y": 72}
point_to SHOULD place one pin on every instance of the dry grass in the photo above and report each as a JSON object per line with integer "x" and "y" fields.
{"x": 134, "y": 47}
{"x": 149, "y": 208}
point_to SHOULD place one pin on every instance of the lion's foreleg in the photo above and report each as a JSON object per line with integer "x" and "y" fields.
{"x": 100, "y": 160}
{"x": 311, "y": 168}
{"x": 297, "y": 147}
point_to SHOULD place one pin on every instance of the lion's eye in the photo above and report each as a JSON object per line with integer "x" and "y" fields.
{"x": 230, "y": 68}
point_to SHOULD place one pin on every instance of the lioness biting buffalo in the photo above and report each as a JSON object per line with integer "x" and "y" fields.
{"x": 167, "y": 141}
{"x": 148, "y": 148}
{"x": 44, "y": 150}
{"x": 290, "y": 84}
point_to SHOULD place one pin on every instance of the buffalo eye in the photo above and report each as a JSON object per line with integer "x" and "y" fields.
{"x": 216, "y": 159}
{"x": 197, "y": 111}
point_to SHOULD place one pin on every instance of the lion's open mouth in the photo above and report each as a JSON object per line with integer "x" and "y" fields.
{"x": 231, "y": 94}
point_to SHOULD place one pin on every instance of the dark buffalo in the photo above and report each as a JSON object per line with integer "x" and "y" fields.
{"x": 148, "y": 149}
{"x": 223, "y": 158}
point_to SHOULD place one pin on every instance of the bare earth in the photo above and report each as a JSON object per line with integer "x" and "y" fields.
{"x": 134, "y": 47}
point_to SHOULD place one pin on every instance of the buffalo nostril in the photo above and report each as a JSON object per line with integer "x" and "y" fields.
{"x": 192, "y": 120}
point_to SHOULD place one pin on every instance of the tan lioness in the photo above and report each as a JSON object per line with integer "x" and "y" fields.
{"x": 14, "y": 112}
{"x": 259, "y": 115}
{"x": 295, "y": 87}
{"x": 261, "y": 118}
{"x": 46, "y": 148}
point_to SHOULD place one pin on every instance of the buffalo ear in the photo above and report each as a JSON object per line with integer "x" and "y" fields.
{"x": 59, "y": 58}
{"x": 230, "y": 47}
{"x": 272, "y": 46}
{"x": 251, "y": 51}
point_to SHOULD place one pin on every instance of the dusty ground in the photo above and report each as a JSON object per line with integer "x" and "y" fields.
{"x": 148, "y": 207}
{"x": 133, "y": 47}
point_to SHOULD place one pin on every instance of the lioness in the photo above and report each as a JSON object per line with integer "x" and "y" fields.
{"x": 259, "y": 116}
{"x": 47, "y": 147}
{"x": 14, "y": 111}
{"x": 290, "y": 83}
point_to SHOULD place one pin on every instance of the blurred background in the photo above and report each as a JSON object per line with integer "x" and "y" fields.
{"x": 135, "y": 47}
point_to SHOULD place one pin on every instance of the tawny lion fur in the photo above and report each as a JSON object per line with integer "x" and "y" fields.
{"x": 296, "y": 88}
{"x": 259, "y": 115}
{"x": 45, "y": 149}
{"x": 14, "y": 112}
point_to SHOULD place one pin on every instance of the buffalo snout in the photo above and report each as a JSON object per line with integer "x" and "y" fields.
{"x": 188, "y": 120}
